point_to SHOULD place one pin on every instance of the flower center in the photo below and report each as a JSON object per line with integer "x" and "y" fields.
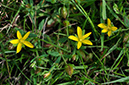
{"x": 80, "y": 39}
{"x": 21, "y": 40}
{"x": 109, "y": 28}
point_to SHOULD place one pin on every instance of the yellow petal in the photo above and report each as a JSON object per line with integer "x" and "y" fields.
{"x": 26, "y": 35}
{"x": 104, "y": 30}
{"x": 109, "y": 22}
{"x": 109, "y": 33}
{"x": 19, "y": 47}
{"x": 79, "y": 44}
{"x": 28, "y": 44}
{"x": 102, "y": 25}
{"x": 73, "y": 38}
{"x": 79, "y": 32}
{"x": 88, "y": 42}
{"x": 113, "y": 28}
{"x": 15, "y": 41}
{"x": 19, "y": 36}
{"x": 86, "y": 35}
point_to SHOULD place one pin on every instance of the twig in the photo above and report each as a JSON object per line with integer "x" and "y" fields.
{"x": 44, "y": 26}
{"x": 61, "y": 28}
{"x": 6, "y": 26}
{"x": 9, "y": 25}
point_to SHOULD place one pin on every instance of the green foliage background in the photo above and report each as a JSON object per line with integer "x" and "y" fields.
{"x": 50, "y": 23}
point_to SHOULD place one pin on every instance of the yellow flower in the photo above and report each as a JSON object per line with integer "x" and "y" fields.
{"x": 21, "y": 40}
{"x": 81, "y": 38}
{"x": 107, "y": 28}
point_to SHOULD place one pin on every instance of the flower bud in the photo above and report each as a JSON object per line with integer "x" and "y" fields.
{"x": 46, "y": 75}
{"x": 64, "y": 12}
{"x": 69, "y": 69}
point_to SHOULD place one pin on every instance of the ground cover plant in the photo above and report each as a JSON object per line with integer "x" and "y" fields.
{"x": 64, "y": 42}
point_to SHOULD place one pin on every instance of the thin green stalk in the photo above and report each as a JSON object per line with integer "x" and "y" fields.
{"x": 7, "y": 7}
{"x": 51, "y": 69}
{"x": 24, "y": 23}
{"x": 86, "y": 15}
{"x": 100, "y": 63}
{"x": 7, "y": 66}
{"x": 119, "y": 61}
{"x": 102, "y": 42}
{"x": 111, "y": 11}
{"x": 64, "y": 59}
{"x": 122, "y": 51}
{"x": 114, "y": 36}
{"x": 5, "y": 59}
{"x": 22, "y": 72}
{"x": 54, "y": 45}
{"x": 85, "y": 69}
{"x": 14, "y": 19}
{"x": 119, "y": 74}
{"x": 58, "y": 77}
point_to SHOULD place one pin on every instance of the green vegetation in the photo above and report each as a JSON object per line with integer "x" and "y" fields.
{"x": 49, "y": 56}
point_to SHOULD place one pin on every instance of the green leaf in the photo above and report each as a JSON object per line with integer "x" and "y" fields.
{"x": 32, "y": 35}
{"x": 126, "y": 21}
{"x": 53, "y": 53}
{"x": 115, "y": 8}
{"x": 20, "y": 30}
{"x": 52, "y": 1}
{"x": 41, "y": 25}
{"x": 127, "y": 70}
{"x": 44, "y": 55}
{"x": 63, "y": 40}
{"x": 58, "y": 60}
{"x": 67, "y": 56}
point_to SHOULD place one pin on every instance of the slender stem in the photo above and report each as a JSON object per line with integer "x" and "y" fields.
{"x": 64, "y": 60}
{"x": 22, "y": 72}
{"x": 14, "y": 19}
{"x": 7, "y": 66}
{"x": 85, "y": 69}
{"x": 54, "y": 45}
{"x": 100, "y": 63}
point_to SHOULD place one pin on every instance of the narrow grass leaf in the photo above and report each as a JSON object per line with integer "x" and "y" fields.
{"x": 58, "y": 60}
{"x": 111, "y": 11}
{"x": 22, "y": 72}
{"x": 8, "y": 52}
{"x": 113, "y": 48}
{"x": 41, "y": 25}
{"x": 104, "y": 10}
{"x": 122, "y": 51}
{"x": 102, "y": 42}
{"x": 119, "y": 60}
{"x": 118, "y": 80}
{"x": 67, "y": 83}
{"x": 80, "y": 67}
{"x": 86, "y": 15}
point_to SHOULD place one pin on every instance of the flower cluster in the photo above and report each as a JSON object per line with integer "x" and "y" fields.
{"x": 81, "y": 38}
